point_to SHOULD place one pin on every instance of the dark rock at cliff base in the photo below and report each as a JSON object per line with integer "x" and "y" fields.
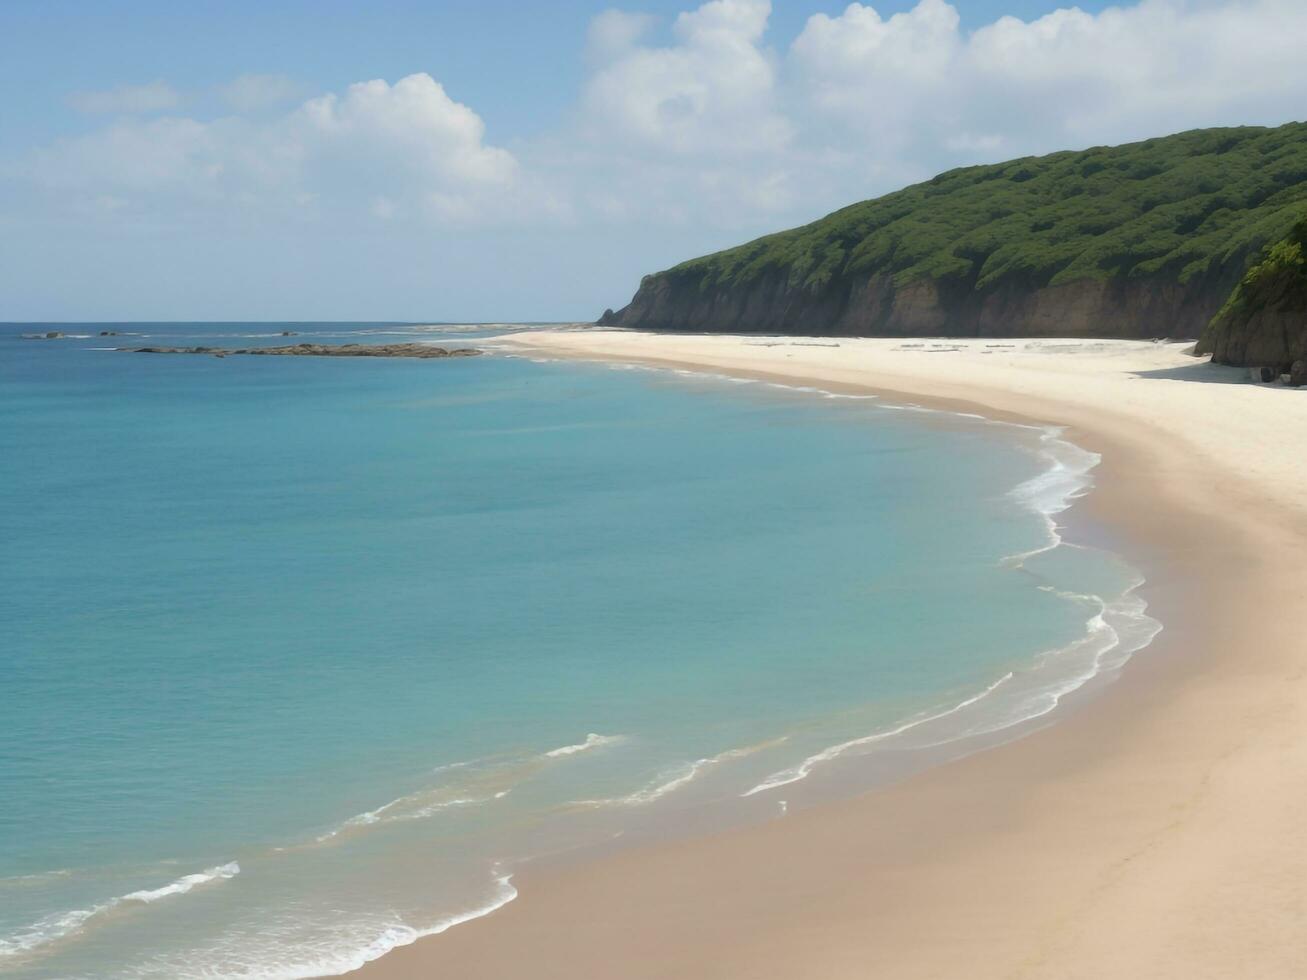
{"x": 1298, "y": 374}
{"x": 420, "y": 351}
{"x": 1130, "y": 241}
{"x": 1264, "y": 321}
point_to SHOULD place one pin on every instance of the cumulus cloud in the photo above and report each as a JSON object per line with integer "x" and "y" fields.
{"x": 414, "y": 119}
{"x": 679, "y": 127}
{"x": 408, "y": 145}
{"x": 844, "y": 60}
{"x": 155, "y": 96}
{"x": 916, "y": 80}
{"x": 707, "y": 121}
{"x": 710, "y": 92}
{"x": 719, "y": 123}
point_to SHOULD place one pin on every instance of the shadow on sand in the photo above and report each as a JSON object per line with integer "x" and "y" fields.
{"x": 1202, "y": 370}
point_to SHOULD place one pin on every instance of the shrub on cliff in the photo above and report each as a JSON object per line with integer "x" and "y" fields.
{"x": 1264, "y": 322}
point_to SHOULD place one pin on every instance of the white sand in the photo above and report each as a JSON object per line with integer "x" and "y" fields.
{"x": 1159, "y": 833}
{"x": 1255, "y": 431}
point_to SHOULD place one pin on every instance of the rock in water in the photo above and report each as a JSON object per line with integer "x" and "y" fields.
{"x": 421, "y": 351}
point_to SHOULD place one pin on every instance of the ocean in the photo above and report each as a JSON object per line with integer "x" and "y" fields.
{"x": 305, "y": 658}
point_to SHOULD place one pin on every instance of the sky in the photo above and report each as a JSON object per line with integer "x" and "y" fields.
{"x": 473, "y": 161}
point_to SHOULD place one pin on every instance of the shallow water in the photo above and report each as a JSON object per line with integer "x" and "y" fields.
{"x": 303, "y": 657}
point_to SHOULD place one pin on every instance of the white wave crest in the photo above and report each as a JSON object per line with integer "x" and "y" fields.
{"x": 184, "y": 884}
{"x": 485, "y": 786}
{"x": 415, "y": 806}
{"x": 1056, "y": 489}
{"x": 62, "y": 925}
{"x": 801, "y": 771}
{"x": 592, "y": 741}
{"x": 677, "y": 776}
{"x": 47, "y": 930}
{"x": 348, "y": 948}
{"x": 1113, "y": 633}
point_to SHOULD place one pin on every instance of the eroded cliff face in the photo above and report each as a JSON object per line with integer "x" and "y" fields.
{"x": 874, "y": 306}
{"x": 1264, "y": 323}
{"x": 1271, "y": 338}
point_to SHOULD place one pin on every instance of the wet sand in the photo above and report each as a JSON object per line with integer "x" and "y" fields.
{"x": 1155, "y": 831}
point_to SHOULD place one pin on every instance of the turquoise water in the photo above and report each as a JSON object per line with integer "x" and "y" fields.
{"x": 303, "y": 657}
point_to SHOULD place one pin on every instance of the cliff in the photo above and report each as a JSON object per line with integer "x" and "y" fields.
{"x": 1264, "y": 322}
{"x": 1142, "y": 240}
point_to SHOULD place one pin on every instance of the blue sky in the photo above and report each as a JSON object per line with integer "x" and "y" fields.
{"x": 492, "y": 160}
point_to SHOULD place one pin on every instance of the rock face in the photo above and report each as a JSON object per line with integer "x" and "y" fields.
{"x": 876, "y": 306}
{"x": 426, "y": 351}
{"x": 1264, "y": 322}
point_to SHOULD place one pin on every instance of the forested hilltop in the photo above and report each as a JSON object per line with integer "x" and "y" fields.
{"x": 1142, "y": 240}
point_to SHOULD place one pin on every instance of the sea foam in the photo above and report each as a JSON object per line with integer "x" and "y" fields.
{"x": 1117, "y": 628}
{"x": 64, "y": 925}
{"x": 592, "y": 741}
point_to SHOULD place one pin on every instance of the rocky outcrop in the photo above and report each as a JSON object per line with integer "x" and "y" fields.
{"x": 426, "y": 351}
{"x": 1137, "y": 241}
{"x": 1264, "y": 322}
{"x": 875, "y": 306}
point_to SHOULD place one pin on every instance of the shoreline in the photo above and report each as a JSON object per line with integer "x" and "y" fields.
{"x": 1109, "y": 844}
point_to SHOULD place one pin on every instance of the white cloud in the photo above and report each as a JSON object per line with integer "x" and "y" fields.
{"x": 702, "y": 123}
{"x": 846, "y": 58}
{"x": 155, "y": 96}
{"x": 711, "y": 92}
{"x": 408, "y": 145}
{"x": 248, "y": 93}
{"x": 916, "y": 85}
{"x": 413, "y": 123}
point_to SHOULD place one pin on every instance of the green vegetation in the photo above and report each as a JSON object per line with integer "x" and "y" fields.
{"x": 1173, "y": 208}
{"x": 1278, "y": 280}
{"x": 1265, "y": 319}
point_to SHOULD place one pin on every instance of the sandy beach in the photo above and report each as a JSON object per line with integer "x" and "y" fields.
{"x": 1155, "y": 831}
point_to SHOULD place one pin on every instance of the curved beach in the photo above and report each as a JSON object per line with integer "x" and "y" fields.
{"x": 1154, "y": 832}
